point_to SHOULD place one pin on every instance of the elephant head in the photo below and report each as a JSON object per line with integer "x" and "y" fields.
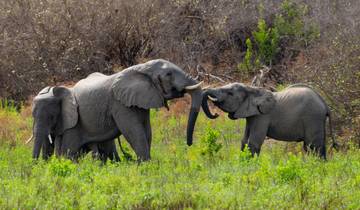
{"x": 239, "y": 100}
{"x": 152, "y": 84}
{"x": 54, "y": 110}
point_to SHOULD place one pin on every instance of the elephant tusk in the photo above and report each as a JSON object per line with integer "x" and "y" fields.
{"x": 207, "y": 87}
{"x": 193, "y": 87}
{"x": 31, "y": 137}
{"x": 50, "y": 139}
{"x": 212, "y": 99}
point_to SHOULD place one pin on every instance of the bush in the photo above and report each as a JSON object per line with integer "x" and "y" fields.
{"x": 209, "y": 141}
{"x": 61, "y": 167}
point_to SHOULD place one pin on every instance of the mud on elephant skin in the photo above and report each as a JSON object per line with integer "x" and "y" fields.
{"x": 297, "y": 113}
{"x": 100, "y": 108}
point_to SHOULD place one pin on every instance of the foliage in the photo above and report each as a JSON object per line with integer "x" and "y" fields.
{"x": 178, "y": 176}
{"x": 61, "y": 167}
{"x": 287, "y": 30}
{"x": 247, "y": 65}
{"x": 267, "y": 41}
{"x": 209, "y": 142}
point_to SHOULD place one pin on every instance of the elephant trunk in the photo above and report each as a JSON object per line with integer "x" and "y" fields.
{"x": 194, "y": 111}
{"x": 40, "y": 137}
{"x": 43, "y": 141}
{"x": 205, "y": 105}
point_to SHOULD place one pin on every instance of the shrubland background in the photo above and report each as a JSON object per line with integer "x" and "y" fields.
{"x": 48, "y": 42}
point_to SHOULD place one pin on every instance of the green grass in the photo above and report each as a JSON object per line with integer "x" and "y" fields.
{"x": 205, "y": 175}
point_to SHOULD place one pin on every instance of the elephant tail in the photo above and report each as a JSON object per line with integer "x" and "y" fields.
{"x": 334, "y": 145}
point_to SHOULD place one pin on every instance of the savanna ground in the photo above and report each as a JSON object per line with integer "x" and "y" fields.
{"x": 212, "y": 173}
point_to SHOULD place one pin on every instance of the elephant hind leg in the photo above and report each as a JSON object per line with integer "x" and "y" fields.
{"x": 315, "y": 139}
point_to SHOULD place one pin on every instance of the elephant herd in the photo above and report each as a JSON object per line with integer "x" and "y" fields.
{"x": 98, "y": 109}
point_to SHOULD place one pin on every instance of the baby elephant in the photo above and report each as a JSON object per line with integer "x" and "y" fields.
{"x": 297, "y": 113}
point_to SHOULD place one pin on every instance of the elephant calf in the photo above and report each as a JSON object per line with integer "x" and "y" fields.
{"x": 48, "y": 127}
{"x": 297, "y": 113}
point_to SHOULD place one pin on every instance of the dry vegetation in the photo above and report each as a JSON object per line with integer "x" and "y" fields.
{"x": 48, "y": 42}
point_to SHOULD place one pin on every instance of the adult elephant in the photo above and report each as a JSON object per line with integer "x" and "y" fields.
{"x": 100, "y": 108}
{"x": 48, "y": 130}
{"x": 297, "y": 113}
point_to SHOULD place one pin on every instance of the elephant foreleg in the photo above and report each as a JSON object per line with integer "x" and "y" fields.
{"x": 147, "y": 126}
{"x": 48, "y": 149}
{"x": 58, "y": 142}
{"x": 257, "y": 133}
{"x": 130, "y": 122}
{"x": 245, "y": 139}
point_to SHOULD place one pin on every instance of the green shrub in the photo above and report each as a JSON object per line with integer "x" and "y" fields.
{"x": 290, "y": 170}
{"x": 267, "y": 42}
{"x": 209, "y": 143}
{"x": 287, "y": 29}
{"x": 61, "y": 167}
{"x": 247, "y": 64}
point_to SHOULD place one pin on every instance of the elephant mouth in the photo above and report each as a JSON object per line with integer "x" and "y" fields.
{"x": 259, "y": 109}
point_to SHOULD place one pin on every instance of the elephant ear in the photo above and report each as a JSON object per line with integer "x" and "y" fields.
{"x": 69, "y": 113}
{"x": 266, "y": 102}
{"x": 134, "y": 88}
{"x": 257, "y": 101}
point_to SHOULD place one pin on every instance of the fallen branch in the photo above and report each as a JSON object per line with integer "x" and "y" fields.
{"x": 201, "y": 73}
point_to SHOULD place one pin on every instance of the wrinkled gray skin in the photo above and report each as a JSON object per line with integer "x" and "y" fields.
{"x": 297, "y": 113}
{"x": 99, "y": 108}
{"x": 47, "y": 120}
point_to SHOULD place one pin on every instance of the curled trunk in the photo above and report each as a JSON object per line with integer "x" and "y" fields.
{"x": 205, "y": 106}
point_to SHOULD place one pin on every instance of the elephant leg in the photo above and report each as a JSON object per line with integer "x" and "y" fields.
{"x": 95, "y": 150}
{"x": 130, "y": 122}
{"x": 71, "y": 144}
{"x": 147, "y": 126}
{"x": 257, "y": 133}
{"x": 108, "y": 150}
{"x": 58, "y": 141}
{"x": 48, "y": 149}
{"x": 315, "y": 138}
{"x": 245, "y": 138}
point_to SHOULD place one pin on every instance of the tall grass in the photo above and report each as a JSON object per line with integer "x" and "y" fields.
{"x": 178, "y": 176}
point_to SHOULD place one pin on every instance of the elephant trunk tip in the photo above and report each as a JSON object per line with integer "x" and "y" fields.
{"x": 205, "y": 106}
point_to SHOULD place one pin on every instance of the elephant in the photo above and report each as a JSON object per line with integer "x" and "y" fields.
{"x": 297, "y": 113}
{"x": 102, "y": 107}
{"x": 46, "y": 111}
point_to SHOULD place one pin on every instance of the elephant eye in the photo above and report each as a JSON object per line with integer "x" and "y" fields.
{"x": 230, "y": 93}
{"x": 168, "y": 74}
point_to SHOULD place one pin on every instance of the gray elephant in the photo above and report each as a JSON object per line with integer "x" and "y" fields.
{"x": 48, "y": 129}
{"x": 100, "y": 108}
{"x": 297, "y": 113}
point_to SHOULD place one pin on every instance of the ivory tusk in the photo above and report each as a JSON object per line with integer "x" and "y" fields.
{"x": 31, "y": 137}
{"x": 212, "y": 99}
{"x": 193, "y": 87}
{"x": 50, "y": 139}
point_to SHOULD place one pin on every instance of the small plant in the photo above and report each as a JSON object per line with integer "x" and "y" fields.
{"x": 245, "y": 155}
{"x": 247, "y": 64}
{"x": 61, "y": 167}
{"x": 290, "y": 170}
{"x": 267, "y": 41}
{"x": 209, "y": 141}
